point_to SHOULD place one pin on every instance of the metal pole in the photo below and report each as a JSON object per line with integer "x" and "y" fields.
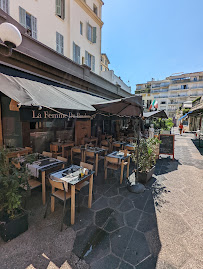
{"x": 138, "y": 141}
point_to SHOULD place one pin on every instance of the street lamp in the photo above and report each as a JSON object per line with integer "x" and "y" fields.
{"x": 11, "y": 36}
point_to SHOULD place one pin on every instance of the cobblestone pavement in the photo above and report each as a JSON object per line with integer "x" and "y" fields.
{"x": 160, "y": 228}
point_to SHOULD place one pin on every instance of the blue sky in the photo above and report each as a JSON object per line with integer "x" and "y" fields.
{"x": 147, "y": 39}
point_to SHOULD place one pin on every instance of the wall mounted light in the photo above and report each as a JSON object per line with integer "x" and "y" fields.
{"x": 11, "y": 36}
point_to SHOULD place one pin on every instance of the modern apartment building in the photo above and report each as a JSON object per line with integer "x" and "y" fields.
{"x": 70, "y": 27}
{"x": 104, "y": 62}
{"x": 171, "y": 92}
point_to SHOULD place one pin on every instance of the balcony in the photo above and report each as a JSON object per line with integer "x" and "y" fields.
{"x": 142, "y": 91}
{"x": 161, "y": 90}
{"x": 161, "y": 96}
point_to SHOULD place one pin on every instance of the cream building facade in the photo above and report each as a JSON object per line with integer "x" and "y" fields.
{"x": 70, "y": 27}
{"x": 171, "y": 92}
{"x": 104, "y": 62}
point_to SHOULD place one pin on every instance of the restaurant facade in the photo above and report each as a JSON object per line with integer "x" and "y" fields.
{"x": 46, "y": 97}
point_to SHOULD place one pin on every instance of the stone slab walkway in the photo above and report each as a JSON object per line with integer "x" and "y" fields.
{"x": 160, "y": 228}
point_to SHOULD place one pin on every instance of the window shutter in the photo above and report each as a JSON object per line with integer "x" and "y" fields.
{"x": 34, "y": 27}
{"x": 58, "y": 7}
{"x": 57, "y": 42}
{"x": 87, "y": 30}
{"x": 22, "y": 16}
{"x": 7, "y": 6}
{"x": 63, "y": 9}
{"x": 74, "y": 52}
{"x": 94, "y": 34}
{"x": 4, "y": 5}
{"x": 93, "y": 63}
{"x": 78, "y": 54}
{"x": 86, "y": 57}
{"x": 61, "y": 43}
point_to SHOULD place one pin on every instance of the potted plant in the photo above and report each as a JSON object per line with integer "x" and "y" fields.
{"x": 146, "y": 158}
{"x": 13, "y": 219}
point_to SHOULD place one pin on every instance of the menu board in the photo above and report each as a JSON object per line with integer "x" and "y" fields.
{"x": 167, "y": 144}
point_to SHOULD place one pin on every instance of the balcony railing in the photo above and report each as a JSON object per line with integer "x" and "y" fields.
{"x": 161, "y": 90}
{"x": 142, "y": 91}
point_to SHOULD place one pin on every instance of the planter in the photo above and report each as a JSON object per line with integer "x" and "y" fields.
{"x": 145, "y": 177}
{"x": 12, "y": 228}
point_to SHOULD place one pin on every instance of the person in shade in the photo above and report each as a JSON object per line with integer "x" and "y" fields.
{"x": 181, "y": 128}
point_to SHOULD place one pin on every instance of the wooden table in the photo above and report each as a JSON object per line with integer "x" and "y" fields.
{"x": 58, "y": 176}
{"x": 122, "y": 159}
{"x": 64, "y": 145}
{"x": 97, "y": 152}
{"x": 38, "y": 169}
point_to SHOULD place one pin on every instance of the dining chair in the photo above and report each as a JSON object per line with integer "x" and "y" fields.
{"x": 59, "y": 192}
{"x": 65, "y": 160}
{"x": 106, "y": 144}
{"x": 29, "y": 150}
{"x": 89, "y": 156}
{"x": 82, "y": 184}
{"x": 76, "y": 152}
{"x": 113, "y": 164}
{"x": 54, "y": 149}
{"x": 117, "y": 146}
{"x": 47, "y": 154}
{"x": 131, "y": 149}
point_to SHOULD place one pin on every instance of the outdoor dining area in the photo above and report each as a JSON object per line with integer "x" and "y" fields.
{"x": 69, "y": 166}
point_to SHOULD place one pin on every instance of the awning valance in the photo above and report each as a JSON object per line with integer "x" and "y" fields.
{"x": 155, "y": 114}
{"x": 34, "y": 93}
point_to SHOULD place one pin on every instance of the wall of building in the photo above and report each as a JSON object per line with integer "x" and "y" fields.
{"x": 81, "y": 40}
{"x": 110, "y": 76}
{"x": 69, "y": 27}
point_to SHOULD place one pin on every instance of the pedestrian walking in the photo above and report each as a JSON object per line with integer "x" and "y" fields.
{"x": 181, "y": 128}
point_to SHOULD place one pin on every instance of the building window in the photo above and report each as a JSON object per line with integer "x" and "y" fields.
{"x": 28, "y": 21}
{"x": 101, "y": 67}
{"x": 184, "y": 87}
{"x": 76, "y": 53}
{"x": 60, "y": 9}
{"x": 81, "y": 28}
{"x": 195, "y": 79}
{"x": 106, "y": 62}
{"x": 149, "y": 103}
{"x": 91, "y": 33}
{"x": 163, "y": 102}
{"x": 59, "y": 43}
{"x": 90, "y": 60}
{"x": 95, "y": 9}
{"x": 4, "y": 5}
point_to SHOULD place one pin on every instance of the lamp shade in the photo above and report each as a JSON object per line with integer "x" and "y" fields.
{"x": 10, "y": 33}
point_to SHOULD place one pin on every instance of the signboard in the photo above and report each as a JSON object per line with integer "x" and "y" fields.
{"x": 33, "y": 115}
{"x": 167, "y": 144}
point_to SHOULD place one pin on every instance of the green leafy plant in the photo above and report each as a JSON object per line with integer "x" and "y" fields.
{"x": 146, "y": 154}
{"x": 11, "y": 178}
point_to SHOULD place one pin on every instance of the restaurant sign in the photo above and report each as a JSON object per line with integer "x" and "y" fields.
{"x": 47, "y": 115}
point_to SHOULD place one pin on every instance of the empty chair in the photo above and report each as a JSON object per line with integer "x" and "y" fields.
{"x": 47, "y": 154}
{"x": 82, "y": 184}
{"x": 65, "y": 160}
{"x": 89, "y": 157}
{"x": 29, "y": 149}
{"x": 117, "y": 146}
{"x": 106, "y": 144}
{"x": 130, "y": 148}
{"x": 54, "y": 150}
{"x": 76, "y": 153}
{"x": 58, "y": 191}
{"x": 114, "y": 164}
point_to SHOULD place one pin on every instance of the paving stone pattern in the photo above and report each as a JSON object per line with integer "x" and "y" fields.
{"x": 160, "y": 228}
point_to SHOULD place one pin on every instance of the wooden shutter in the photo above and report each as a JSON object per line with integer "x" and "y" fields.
{"x": 61, "y": 43}
{"x": 78, "y": 54}
{"x": 58, "y": 7}
{"x": 63, "y": 9}
{"x": 93, "y": 63}
{"x": 57, "y": 42}
{"x": 94, "y": 39}
{"x": 4, "y": 5}
{"x": 74, "y": 52}
{"x": 22, "y": 16}
{"x": 34, "y": 27}
{"x": 86, "y": 57}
